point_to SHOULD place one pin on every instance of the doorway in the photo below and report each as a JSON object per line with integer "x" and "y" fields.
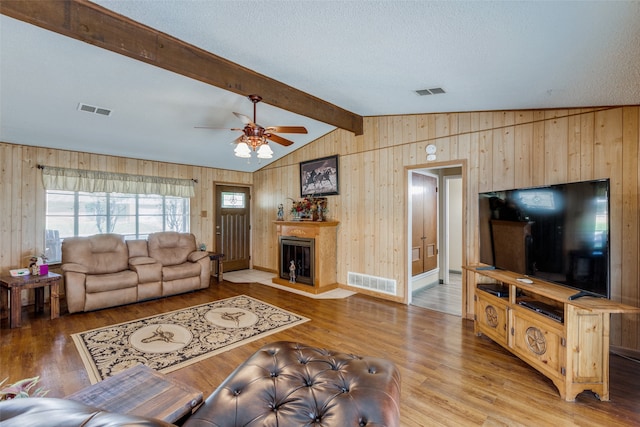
{"x": 233, "y": 219}
{"x": 441, "y": 288}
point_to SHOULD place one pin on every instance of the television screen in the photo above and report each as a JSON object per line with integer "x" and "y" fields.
{"x": 558, "y": 233}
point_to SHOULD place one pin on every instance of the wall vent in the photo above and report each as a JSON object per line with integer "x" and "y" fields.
{"x": 373, "y": 283}
{"x": 95, "y": 110}
{"x": 432, "y": 91}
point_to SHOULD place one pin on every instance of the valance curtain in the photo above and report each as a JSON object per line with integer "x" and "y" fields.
{"x": 107, "y": 182}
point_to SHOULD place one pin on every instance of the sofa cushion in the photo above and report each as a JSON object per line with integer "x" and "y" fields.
{"x": 100, "y": 254}
{"x": 187, "y": 269}
{"x": 170, "y": 247}
{"x": 137, "y": 248}
{"x": 111, "y": 282}
{"x": 141, "y": 260}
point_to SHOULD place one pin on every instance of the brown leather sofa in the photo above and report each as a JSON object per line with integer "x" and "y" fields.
{"x": 283, "y": 384}
{"x": 51, "y": 412}
{"x": 104, "y": 270}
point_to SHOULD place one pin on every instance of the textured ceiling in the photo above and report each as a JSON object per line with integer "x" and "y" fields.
{"x": 367, "y": 57}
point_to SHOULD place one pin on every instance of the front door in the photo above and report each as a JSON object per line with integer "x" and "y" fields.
{"x": 233, "y": 226}
{"x": 424, "y": 224}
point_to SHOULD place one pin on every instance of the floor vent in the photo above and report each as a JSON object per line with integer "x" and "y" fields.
{"x": 378, "y": 284}
{"x": 94, "y": 110}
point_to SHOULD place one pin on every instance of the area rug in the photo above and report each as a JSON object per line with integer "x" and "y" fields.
{"x": 173, "y": 340}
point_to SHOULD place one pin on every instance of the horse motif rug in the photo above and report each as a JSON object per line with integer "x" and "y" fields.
{"x": 173, "y": 340}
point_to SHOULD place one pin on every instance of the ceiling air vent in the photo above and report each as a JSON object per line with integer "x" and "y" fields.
{"x": 432, "y": 91}
{"x": 94, "y": 110}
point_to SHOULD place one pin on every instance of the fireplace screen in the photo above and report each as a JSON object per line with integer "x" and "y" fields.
{"x": 301, "y": 252}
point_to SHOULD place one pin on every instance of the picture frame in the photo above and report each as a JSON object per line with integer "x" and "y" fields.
{"x": 319, "y": 177}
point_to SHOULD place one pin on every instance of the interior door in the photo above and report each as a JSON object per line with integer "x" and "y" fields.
{"x": 424, "y": 224}
{"x": 233, "y": 226}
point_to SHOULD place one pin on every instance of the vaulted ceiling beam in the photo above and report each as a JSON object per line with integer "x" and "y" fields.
{"x": 90, "y": 23}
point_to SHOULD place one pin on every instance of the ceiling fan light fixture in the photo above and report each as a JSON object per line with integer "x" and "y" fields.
{"x": 242, "y": 150}
{"x": 265, "y": 152}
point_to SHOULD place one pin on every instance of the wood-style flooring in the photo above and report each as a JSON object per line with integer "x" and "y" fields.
{"x": 450, "y": 377}
{"x": 444, "y": 297}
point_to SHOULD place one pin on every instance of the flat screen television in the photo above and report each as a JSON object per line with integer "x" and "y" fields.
{"x": 558, "y": 233}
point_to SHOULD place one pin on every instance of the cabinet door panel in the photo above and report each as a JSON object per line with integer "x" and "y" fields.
{"x": 538, "y": 342}
{"x": 491, "y": 315}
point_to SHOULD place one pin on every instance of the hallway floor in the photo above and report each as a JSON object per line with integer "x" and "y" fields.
{"x": 446, "y": 298}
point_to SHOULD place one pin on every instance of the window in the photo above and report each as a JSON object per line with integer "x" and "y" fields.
{"x": 74, "y": 213}
{"x": 232, "y": 200}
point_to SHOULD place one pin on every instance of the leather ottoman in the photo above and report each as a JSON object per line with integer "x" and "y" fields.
{"x": 291, "y": 384}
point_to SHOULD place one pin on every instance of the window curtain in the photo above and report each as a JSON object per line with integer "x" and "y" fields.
{"x": 106, "y": 182}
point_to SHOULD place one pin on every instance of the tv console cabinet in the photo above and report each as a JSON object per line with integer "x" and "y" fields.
{"x": 566, "y": 340}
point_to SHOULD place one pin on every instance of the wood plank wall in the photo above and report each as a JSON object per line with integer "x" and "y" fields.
{"x": 498, "y": 150}
{"x": 22, "y": 209}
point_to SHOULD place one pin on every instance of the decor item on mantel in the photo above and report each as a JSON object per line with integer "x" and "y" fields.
{"x": 280, "y": 212}
{"x": 309, "y": 209}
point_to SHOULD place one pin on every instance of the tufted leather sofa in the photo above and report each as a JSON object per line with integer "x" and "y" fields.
{"x": 104, "y": 270}
{"x": 284, "y": 384}
{"x": 291, "y": 384}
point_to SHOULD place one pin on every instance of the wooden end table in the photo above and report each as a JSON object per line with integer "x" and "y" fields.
{"x": 15, "y": 286}
{"x": 141, "y": 391}
{"x": 218, "y": 259}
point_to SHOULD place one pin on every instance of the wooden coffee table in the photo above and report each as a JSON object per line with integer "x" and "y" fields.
{"x": 141, "y": 391}
{"x": 15, "y": 285}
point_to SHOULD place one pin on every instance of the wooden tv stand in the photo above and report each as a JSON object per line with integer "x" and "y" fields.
{"x": 573, "y": 352}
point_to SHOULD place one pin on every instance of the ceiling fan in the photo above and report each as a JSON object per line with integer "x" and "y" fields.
{"x": 254, "y": 137}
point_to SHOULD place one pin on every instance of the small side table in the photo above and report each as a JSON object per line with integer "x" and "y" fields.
{"x": 218, "y": 258}
{"x": 15, "y": 285}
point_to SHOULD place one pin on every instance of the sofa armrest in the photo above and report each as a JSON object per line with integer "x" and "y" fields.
{"x": 73, "y": 267}
{"x": 141, "y": 260}
{"x": 196, "y": 256}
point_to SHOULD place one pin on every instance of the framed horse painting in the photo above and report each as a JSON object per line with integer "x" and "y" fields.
{"x": 319, "y": 177}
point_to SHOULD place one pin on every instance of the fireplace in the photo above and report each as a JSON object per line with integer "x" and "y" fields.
{"x": 312, "y": 245}
{"x": 302, "y": 252}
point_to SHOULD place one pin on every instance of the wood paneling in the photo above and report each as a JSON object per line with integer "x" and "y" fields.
{"x": 501, "y": 150}
{"x": 22, "y": 210}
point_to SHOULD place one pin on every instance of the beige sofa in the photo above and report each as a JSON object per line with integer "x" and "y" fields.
{"x": 106, "y": 270}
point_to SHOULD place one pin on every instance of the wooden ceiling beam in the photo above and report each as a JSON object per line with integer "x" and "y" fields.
{"x": 93, "y": 24}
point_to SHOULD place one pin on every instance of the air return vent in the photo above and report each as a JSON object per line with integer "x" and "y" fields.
{"x": 432, "y": 91}
{"x": 95, "y": 110}
{"x": 373, "y": 283}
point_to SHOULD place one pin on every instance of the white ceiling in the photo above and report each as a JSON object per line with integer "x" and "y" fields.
{"x": 367, "y": 57}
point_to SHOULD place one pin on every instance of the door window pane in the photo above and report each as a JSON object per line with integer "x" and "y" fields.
{"x": 232, "y": 200}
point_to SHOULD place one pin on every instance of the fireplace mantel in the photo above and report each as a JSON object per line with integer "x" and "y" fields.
{"x": 325, "y": 236}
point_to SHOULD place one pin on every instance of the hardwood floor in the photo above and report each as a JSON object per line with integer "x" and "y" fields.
{"x": 450, "y": 377}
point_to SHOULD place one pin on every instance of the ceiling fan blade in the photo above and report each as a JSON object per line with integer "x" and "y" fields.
{"x": 245, "y": 119}
{"x": 216, "y": 128}
{"x": 280, "y": 140}
{"x": 287, "y": 129}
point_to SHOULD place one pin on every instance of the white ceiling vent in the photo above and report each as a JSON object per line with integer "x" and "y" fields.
{"x": 432, "y": 91}
{"x": 94, "y": 110}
